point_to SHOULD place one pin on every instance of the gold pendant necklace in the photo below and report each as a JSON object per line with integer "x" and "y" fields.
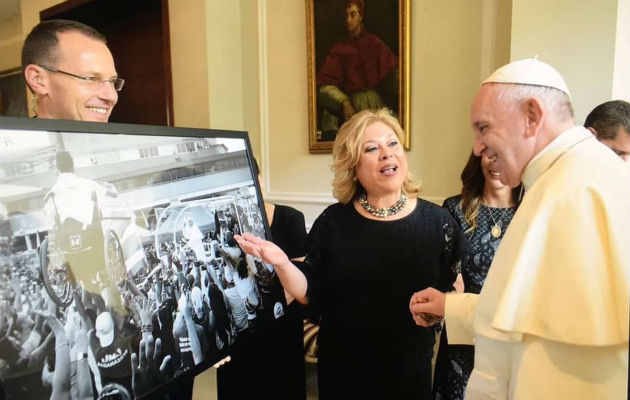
{"x": 496, "y": 229}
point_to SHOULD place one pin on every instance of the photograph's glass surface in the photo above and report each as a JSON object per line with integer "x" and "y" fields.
{"x": 119, "y": 271}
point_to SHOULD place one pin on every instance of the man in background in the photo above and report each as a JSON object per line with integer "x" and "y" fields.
{"x": 610, "y": 123}
{"x": 552, "y": 319}
{"x": 70, "y": 70}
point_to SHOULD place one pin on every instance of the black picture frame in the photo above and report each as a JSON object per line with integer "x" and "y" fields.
{"x": 145, "y": 221}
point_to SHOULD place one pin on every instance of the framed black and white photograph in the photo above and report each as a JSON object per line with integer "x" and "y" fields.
{"x": 118, "y": 264}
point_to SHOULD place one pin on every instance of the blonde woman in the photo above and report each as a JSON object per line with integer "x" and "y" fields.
{"x": 366, "y": 255}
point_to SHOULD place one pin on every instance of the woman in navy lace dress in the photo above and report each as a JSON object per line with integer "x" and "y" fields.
{"x": 483, "y": 211}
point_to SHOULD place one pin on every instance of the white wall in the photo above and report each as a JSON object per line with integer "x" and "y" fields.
{"x": 621, "y": 74}
{"x": 575, "y": 36}
{"x": 446, "y": 63}
{"x": 214, "y": 56}
{"x": 242, "y": 65}
{"x": 225, "y": 61}
{"x": 189, "y": 63}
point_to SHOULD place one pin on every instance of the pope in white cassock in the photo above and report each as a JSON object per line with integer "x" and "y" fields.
{"x": 551, "y": 321}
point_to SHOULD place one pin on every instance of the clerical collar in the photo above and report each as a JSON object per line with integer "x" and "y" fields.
{"x": 552, "y": 152}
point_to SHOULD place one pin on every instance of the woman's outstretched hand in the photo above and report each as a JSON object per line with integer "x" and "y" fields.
{"x": 264, "y": 249}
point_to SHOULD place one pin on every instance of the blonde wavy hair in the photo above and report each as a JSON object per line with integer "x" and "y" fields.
{"x": 347, "y": 151}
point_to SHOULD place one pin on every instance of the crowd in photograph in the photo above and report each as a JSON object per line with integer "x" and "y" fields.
{"x": 198, "y": 293}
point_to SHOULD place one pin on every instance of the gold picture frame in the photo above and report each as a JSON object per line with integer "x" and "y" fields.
{"x": 332, "y": 61}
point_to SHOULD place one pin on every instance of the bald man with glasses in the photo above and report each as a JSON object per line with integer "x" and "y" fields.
{"x": 69, "y": 68}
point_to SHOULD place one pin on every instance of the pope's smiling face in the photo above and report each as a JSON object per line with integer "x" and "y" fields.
{"x": 500, "y": 135}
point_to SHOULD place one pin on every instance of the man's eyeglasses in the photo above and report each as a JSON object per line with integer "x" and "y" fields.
{"x": 117, "y": 83}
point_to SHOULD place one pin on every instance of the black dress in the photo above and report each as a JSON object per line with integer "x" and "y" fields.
{"x": 288, "y": 231}
{"x": 455, "y": 362}
{"x": 269, "y": 364}
{"x": 361, "y": 275}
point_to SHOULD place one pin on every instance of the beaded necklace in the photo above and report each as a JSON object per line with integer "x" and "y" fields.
{"x": 385, "y": 211}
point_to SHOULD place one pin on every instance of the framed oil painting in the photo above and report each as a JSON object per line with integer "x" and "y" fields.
{"x": 118, "y": 258}
{"x": 358, "y": 58}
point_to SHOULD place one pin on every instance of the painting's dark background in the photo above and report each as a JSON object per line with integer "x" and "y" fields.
{"x": 380, "y": 18}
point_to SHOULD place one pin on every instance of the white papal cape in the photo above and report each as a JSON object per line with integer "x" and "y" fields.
{"x": 552, "y": 319}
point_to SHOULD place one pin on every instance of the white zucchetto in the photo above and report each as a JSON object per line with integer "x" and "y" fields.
{"x": 529, "y": 71}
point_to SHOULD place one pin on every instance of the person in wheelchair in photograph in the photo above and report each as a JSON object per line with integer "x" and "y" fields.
{"x": 72, "y": 205}
{"x": 94, "y": 231}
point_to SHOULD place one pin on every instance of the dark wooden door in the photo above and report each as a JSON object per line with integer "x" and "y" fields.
{"x": 137, "y": 33}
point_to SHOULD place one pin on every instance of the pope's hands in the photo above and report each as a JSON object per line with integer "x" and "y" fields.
{"x": 427, "y": 307}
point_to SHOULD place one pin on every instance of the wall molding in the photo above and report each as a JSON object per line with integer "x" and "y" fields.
{"x": 312, "y": 204}
{"x": 300, "y": 198}
{"x": 323, "y": 199}
{"x": 263, "y": 97}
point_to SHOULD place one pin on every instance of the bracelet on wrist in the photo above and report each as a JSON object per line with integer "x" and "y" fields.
{"x": 61, "y": 344}
{"x": 146, "y": 328}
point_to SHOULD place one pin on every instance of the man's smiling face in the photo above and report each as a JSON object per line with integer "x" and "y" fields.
{"x": 75, "y": 99}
